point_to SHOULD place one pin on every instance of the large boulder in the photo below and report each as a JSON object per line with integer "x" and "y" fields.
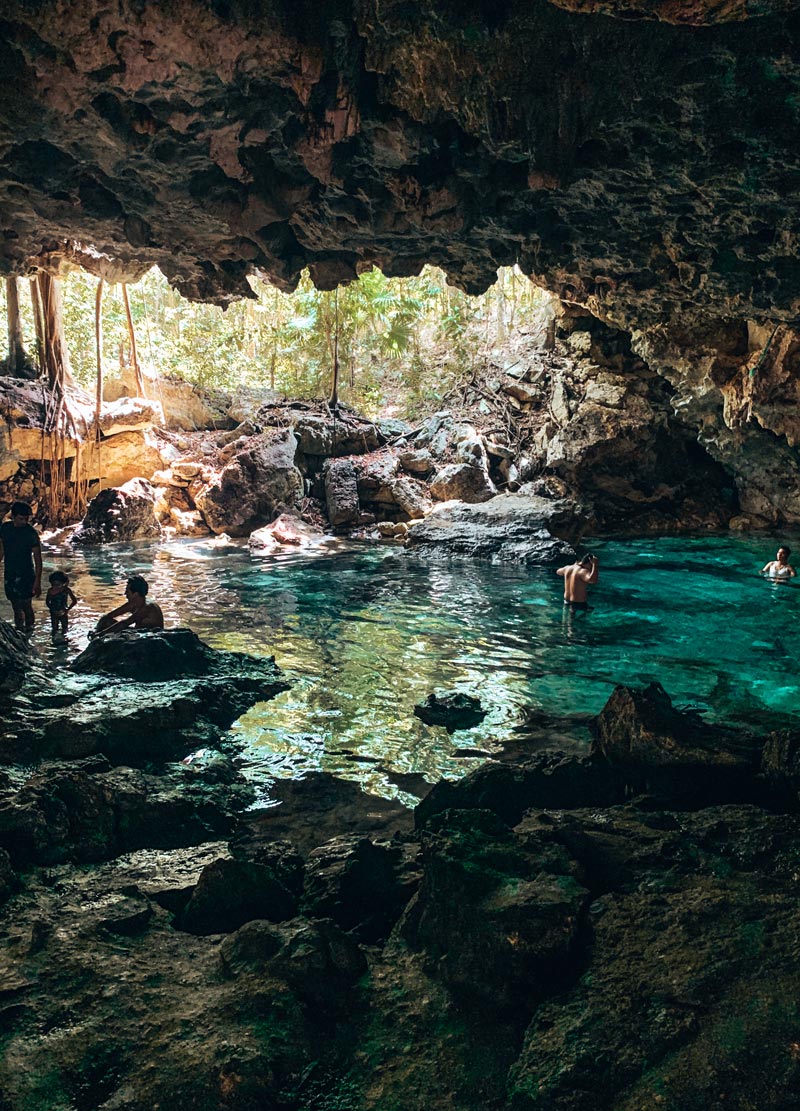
{"x": 89, "y": 811}
{"x": 659, "y": 748}
{"x": 509, "y": 527}
{"x": 123, "y": 513}
{"x": 259, "y": 479}
{"x": 130, "y": 414}
{"x": 321, "y": 435}
{"x": 289, "y": 531}
{"x": 497, "y": 917}
{"x": 341, "y": 492}
{"x": 138, "y": 697}
{"x": 466, "y": 482}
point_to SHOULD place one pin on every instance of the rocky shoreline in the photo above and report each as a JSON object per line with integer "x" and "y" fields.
{"x": 554, "y": 931}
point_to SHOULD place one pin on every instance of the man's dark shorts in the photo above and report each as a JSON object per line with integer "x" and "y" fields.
{"x": 19, "y": 589}
{"x": 581, "y": 607}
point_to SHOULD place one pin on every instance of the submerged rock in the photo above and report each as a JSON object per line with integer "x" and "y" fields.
{"x": 510, "y": 527}
{"x": 452, "y": 709}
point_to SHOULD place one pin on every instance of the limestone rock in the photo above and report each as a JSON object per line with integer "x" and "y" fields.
{"x": 361, "y": 885}
{"x": 118, "y": 514}
{"x": 287, "y": 531}
{"x": 130, "y": 414}
{"x": 417, "y": 462}
{"x": 497, "y": 918}
{"x": 464, "y": 482}
{"x": 260, "y": 478}
{"x": 341, "y": 492}
{"x": 657, "y": 746}
{"x": 513, "y": 527}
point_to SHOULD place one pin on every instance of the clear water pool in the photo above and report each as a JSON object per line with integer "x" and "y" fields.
{"x": 366, "y": 632}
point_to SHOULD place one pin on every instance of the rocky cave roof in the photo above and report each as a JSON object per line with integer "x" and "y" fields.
{"x": 639, "y": 157}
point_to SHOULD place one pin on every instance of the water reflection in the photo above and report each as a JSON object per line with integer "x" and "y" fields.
{"x": 367, "y": 632}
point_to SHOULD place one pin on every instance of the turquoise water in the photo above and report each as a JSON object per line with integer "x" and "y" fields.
{"x": 366, "y": 632}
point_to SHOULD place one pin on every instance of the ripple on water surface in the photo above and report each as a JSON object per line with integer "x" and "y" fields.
{"x": 366, "y": 632}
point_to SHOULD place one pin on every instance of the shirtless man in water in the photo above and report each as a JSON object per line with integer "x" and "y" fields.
{"x": 577, "y": 577}
{"x": 779, "y": 567}
{"x": 144, "y": 615}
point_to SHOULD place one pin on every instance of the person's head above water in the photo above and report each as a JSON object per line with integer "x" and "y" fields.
{"x": 587, "y": 560}
{"x": 137, "y": 585}
{"x": 783, "y": 554}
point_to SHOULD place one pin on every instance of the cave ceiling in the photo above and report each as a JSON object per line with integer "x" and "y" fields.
{"x": 640, "y": 157}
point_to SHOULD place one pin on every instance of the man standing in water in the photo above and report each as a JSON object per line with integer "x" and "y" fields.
{"x": 22, "y": 558}
{"x": 779, "y": 567}
{"x": 577, "y": 578}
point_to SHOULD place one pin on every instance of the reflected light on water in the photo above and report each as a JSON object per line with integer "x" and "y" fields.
{"x": 366, "y": 632}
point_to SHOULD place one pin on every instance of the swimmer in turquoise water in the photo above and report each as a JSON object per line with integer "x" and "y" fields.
{"x": 779, "y": 567}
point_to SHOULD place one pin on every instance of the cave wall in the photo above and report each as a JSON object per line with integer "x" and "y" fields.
{"x": 648, "y": 170}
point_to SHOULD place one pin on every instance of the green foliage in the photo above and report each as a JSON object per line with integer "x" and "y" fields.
{"x": 401, "y": 342}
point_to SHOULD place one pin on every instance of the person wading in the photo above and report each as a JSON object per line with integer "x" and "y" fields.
{"x": 578, "y": 577}
{"x": 21, "y": 553}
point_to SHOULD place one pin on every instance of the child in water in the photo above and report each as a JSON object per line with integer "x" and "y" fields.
{"x": 60, "y": 601}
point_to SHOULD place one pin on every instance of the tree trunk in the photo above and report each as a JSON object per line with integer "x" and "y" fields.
{"x": 55, "y": 357}
{"x": 38, "y": 322}
{"x": 134, "y": 359}
{"x": 98, "y": 339}
{"x": 19, "y": 365}
{"x": 334, "y": 402}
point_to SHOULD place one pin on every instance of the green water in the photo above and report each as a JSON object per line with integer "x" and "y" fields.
{"x": 366, "y": 632}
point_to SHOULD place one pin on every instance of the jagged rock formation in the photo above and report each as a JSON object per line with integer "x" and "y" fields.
{"x": 547, "y": 938}
{"x": 640, "y": 167}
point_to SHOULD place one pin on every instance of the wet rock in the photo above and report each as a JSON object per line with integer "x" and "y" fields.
{"x": 452, "y": 709}
{"x": 545, "y": 779}
{"x": 123, "y": 513}
{"x": 321, "y": 806}
{"x": 287, "y": 531}
{"x": 16, "y": 658}
{"x": 260, "y": 478}
{"x": 498, "y": 918}
{"x": 341, "y": 492}
{"x": 138, "y": 697}
{"x": 509, "y": 527}
{"x": 361, "y": 885}
{"x": 780, "y": 763}
{"x": 150, "y": 657}
{"x": 232, "y": 892}
{"x": 673, "y": 958}
{"x": 657, "y": 747}
{"x": 463, "y": 482}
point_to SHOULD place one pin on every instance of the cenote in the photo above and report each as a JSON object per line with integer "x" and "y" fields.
{"x": 365, "y": 632}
